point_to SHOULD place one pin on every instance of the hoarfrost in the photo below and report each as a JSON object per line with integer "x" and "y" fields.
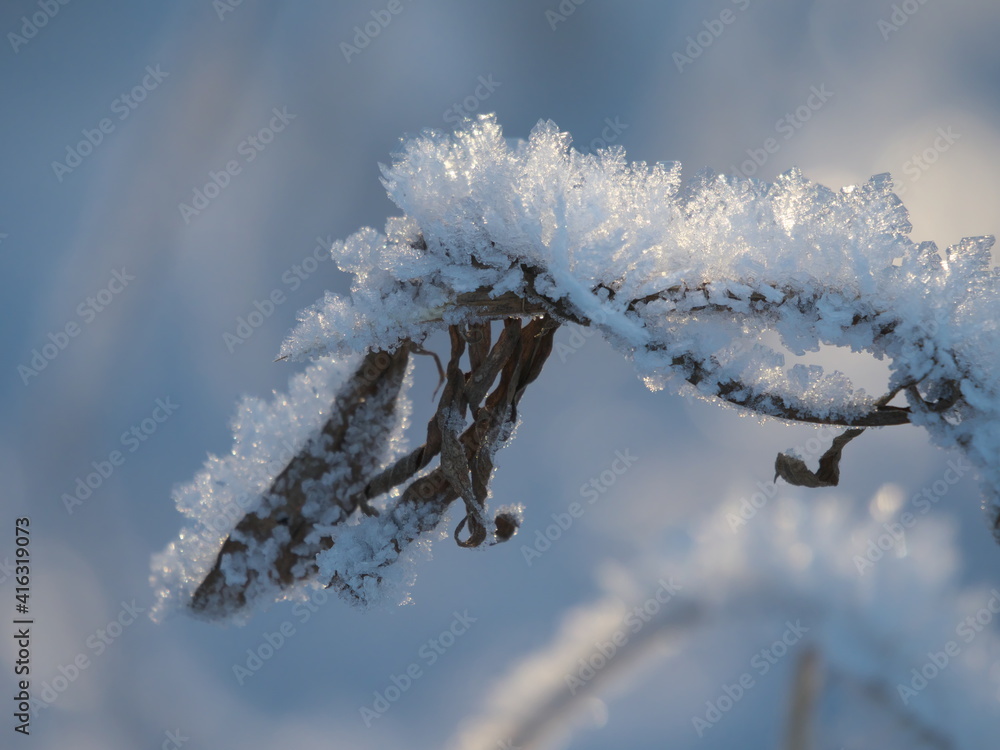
{"x": 297, "y": 464}
{"x": 680, "y": 276}
{"x": 672, "y": 272}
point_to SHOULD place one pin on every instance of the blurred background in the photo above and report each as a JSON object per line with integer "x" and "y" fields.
{"x": 167, "y": 167}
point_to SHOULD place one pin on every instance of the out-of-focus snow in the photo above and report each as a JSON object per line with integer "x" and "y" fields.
{"x": 904, "y": 652}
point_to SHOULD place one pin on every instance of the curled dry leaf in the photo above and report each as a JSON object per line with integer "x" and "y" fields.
{"x": 794, "y": 470}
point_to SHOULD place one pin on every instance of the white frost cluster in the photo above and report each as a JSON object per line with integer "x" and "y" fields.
{"x": 372, "y": 563}
{"x": 267, "y": 435}
{"x": 679, "y": 274}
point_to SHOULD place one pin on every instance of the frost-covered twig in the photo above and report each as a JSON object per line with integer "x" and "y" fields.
{"x": 707, "y": 373}
{"x": 276, "y": 544}
{"x": 681, "y": 277}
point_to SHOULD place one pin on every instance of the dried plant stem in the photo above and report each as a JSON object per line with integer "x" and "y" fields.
{"x": 465, "y": 470}
{"x": 806, "y": 688}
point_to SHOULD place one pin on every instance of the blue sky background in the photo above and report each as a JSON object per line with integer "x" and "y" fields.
{"x": 162, "y": 335}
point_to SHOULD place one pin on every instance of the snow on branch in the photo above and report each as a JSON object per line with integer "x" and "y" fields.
{"x": 680, "y": 276}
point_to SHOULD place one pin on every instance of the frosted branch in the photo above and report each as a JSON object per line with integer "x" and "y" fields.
{"x": 682, "y": 277}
